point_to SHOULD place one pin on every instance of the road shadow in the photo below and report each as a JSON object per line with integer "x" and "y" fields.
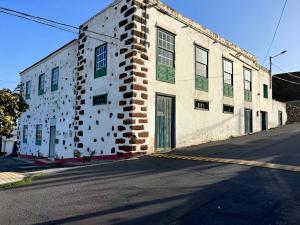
{"x": 252, "y": 196}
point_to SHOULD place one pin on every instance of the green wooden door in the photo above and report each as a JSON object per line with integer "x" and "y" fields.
{"x": 264, "y": 120}
{"x": 165, "y": 122}
{"x": 248, "y": 121}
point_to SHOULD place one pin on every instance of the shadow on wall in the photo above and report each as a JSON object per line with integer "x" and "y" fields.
{"x": 217, "y": 131}
{"x": 264, "y": 146}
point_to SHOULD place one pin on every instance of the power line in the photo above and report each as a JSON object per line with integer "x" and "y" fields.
{"x": 286, "y": 80}
{"x": 51, "y": 25}
{"x": 276, "y": 30}
{"x": 23, "y": 17}
{"x": 56, "y": 22}
{"x": 285, "y": 71}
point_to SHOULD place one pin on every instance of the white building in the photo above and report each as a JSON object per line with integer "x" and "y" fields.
{"x": 7, "y": 143}
{"x": 153, "y": 80}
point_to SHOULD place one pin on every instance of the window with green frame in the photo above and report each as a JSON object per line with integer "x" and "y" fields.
{"x": 25, "y": 133}
{"x": 28, "y": 89}
{"x": 41, "y": 84}
{"x": 201, "y": 79}
{"x": 248, "y": 84}
{"x": 227, "y": 78}
{"x": 266, "y": 91}
{"x": 101, "y": 61}
{"x": 165, "y": 56}
{"x": 38, "y": 134}
{"x": 54, "y": 79}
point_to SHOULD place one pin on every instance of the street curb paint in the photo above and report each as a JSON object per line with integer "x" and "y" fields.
{"x": 231, "y": 161}
{"x": 10, "y": 177}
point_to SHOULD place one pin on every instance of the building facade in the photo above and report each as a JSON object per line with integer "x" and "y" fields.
{"x": 141, "y": 77}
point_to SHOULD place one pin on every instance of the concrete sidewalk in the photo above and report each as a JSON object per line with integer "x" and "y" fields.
{"x": 9, "y": 177}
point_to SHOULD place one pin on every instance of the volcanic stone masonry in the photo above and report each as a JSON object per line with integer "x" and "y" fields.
{"x": 130, "y": 128}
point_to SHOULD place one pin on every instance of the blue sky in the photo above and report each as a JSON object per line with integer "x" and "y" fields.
{"x": 249, "y": 24}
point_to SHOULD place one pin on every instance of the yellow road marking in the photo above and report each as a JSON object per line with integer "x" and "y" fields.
{"x": 231, "y": 161}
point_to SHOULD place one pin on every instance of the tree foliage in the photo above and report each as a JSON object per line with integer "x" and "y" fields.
{"x": 12, "y": 105}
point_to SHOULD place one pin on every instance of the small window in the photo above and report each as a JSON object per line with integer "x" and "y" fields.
{"x": 266, "y": 91}
{"x": 54, "y": 79}
{"x": 101, "y": 61}
{"x": 38, "y": 134}
{"x": 100, "y": 100}
{"x": 25, "y": 133}
{"x": 41, "y": 84}
{"x": 201, "y": 105}
{"x": 228, "y": 109}
{"x": 28, "y": 90}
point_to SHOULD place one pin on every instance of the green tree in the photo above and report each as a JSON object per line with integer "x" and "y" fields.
{"x": 12, "y": 105}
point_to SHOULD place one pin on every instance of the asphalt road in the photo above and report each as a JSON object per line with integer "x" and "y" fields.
{"x": 166, "y": 191}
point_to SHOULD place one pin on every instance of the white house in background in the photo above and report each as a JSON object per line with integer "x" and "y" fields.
{"x": 153, "y": 80}
{"x": 7, "y": 144}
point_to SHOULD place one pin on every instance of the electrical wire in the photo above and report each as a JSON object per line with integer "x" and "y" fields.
{"x": 52, "y": 25}
{"x": 276, "y": 30}
{"x": 55, "y": 22}
{"x": 285, "y": 71}
{"x": 286, "y": 80}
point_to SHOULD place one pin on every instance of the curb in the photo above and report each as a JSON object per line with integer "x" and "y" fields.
{"x": 231, "y": 161}
{"x": 9, "y": 177}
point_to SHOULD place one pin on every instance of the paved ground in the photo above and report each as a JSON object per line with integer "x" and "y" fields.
{"x": 167, "y": 191}
{"x": 9, "y": 164}
{"x": 9, "y": 177}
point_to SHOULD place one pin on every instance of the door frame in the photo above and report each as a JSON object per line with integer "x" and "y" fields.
{"x": 280, "y": 118}
{"x": 266, "y": 120}
{"x": 173, "y": 144}
{"x": 50, "y": 141}
{"x": 251, "y": 120}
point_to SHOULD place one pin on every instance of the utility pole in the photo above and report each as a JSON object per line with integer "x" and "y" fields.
{"x": 271, "y": 57}
{"x": 270, "y": 72}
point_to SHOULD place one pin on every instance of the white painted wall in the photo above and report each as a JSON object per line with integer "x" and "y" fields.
{"x": 192, "y": 126}
{"x": 100, "y": 123}
{"x": 197, "y": 126}
{"x": 58, "y": 105}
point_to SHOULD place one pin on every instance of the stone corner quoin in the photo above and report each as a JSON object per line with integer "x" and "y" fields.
{"x": 128, "y": 119}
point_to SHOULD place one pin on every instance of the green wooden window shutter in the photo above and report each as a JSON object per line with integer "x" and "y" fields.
{"x": 248, "y": 95}
{"x": 165, "y": 56}
{"x": 201, "y": 83}
{"x": 228, "y": 90}
{"x": 266, "y": 91}
{"x": 100, "y": 61}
